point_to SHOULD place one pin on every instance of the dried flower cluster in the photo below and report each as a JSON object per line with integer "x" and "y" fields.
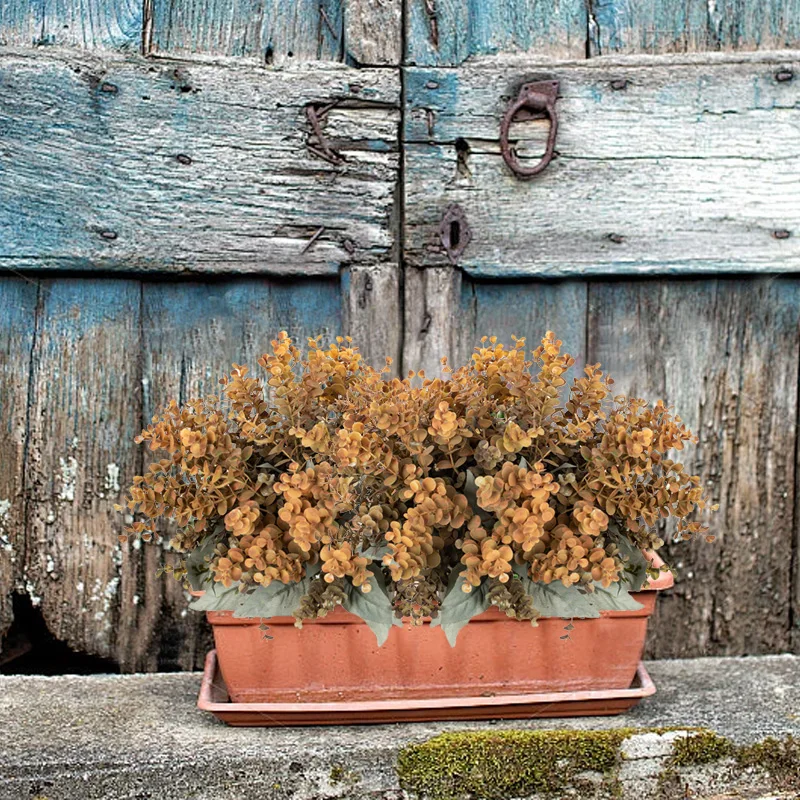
{"x": 335, "y": 479}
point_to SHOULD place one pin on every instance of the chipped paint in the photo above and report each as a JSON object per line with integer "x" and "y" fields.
{"x": 50, "y": 564}
{"x": 69, "y": 478}
{"x": 5, "y": 542}
{"x": 111, "y": 483}
{"x": 30, "y": 590}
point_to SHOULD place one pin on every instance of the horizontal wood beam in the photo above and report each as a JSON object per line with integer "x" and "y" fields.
{"x": 139, "y": 166}
{"x": 664, "y": 165}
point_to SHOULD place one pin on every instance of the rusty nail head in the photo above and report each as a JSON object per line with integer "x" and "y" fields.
{"x": 182, "y": 158}
{"x": 781, "y": 233}
{"x": 108, "y": 88}
{"x": 110, "y": 235}
{"x": 619, "y": 85}
{"x": 784, "y": 75}
{"x": 617, "y": 238}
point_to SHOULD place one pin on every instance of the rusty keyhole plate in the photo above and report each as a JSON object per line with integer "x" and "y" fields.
{"x": 454, "y": 232}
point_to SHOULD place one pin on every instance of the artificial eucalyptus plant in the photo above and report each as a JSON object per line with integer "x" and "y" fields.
{"x": 405, "y": 499}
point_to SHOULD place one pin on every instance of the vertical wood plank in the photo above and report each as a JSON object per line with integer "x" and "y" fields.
{"x": 85, "y": 407}
{"x": 371, "y": 307}
{"x": 87, "y": 24}
{"x": 528, "y": 309}
{"x": 18, "y": 299}
{"x": 192, "y": 333}
{"x": 447, "y": 32}
{"x": 618, "y": 26}
{"x": 651, "y": 26}
{"x": 271, "y": 32}
{"x": 755, "y": 24}
{"x": 724, "y": 353}
{"x": 373, "y": 31}
{"x": 432, "y": 299}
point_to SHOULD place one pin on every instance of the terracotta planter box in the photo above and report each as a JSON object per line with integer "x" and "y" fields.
{"x": 335, "y": 659}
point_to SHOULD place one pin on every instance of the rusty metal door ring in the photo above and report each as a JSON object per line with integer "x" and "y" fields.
{"x": 539, "y": 99}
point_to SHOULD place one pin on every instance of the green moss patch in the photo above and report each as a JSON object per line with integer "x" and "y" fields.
{"x": 494, "y": 765}
{"x": 779, "y": 757}
{"x": 703, "y": 747}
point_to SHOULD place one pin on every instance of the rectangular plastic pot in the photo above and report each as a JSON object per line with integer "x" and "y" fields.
{"x": 607, "y": 702}
{"x": 336, "y": 659}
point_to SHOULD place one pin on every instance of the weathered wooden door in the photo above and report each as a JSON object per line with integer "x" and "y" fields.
{"x": 181, "y": 180}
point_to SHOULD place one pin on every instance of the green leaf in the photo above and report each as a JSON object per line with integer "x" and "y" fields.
{"x": 615, "y": 598}
{"x": 276, "y": 600}
{"x": 197, "y": 572}
{"x": 373, "y": 607}
{"x": 459, "y": 607}
{"x": 635, "y": 574}
{"x": 568, "y": 602}
{"x": 556, "y": 600}
{"x": 470, "y": 490}
{"x": 216, "y": 598}
{"x": 375, "y": 552}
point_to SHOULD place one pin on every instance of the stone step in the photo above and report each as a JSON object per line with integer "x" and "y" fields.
{"x": 141, "y": 736}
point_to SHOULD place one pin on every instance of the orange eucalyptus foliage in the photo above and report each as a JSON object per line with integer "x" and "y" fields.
{"x": 329, "y": 467}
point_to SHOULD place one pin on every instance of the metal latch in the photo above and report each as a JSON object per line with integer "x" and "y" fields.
{"x": 539, "y": 100}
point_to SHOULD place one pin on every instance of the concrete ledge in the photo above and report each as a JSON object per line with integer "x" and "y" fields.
{"x": 140, "y": 736}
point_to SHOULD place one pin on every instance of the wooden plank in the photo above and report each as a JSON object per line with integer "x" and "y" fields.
{"x": 130, "y": 165}
{"x": 432, "y": 298}
{"x": 447, "y": 313}
{"x": 88, "y": 24}
{"x": 85, "y": 407}
{"x": 371, "y": 307}
{"x": 724, "y": 353}
{"x": 688, "y": 165}
{"x": 18, "y": 299}
{"x": 649, "y": 26}
{"x": 755, "y": 24}
{"x": 448, "y": 32}
{"x": 271, "y": 32}
{"x": 373, "y": 32}
{"x": 523, "y": 308}
{"x": 192, "y": 334}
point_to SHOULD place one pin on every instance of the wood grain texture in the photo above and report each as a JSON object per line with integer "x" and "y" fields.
{"x": 724, "y": 353}
{"x": 87, "y": 24}
{"x": 448, "y": 32}
{"x": 192, "y": 334}
{"x": 18, "y": 299}
{"x": 372, "y": 313}
{"x": 689, "y": 165}
{"x": 131, "y": 165}
{"x": 271, "y": 32}
{"x": 373, "y": 31}
{"x": 85, "y": 403}
{"x": 431, "y": 300}
{"x": 650, "y": 26}
{"x": 522, "y": 308}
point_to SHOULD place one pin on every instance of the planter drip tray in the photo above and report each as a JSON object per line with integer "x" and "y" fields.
{"x": 214, "y": 698}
